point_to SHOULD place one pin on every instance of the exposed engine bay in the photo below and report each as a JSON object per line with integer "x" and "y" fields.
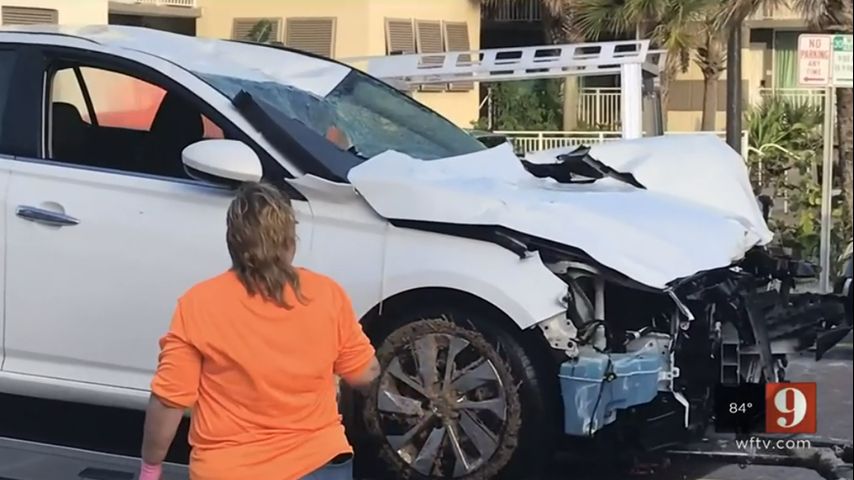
{"x": 653, "y": 358}
{"x": 628, "y": 346}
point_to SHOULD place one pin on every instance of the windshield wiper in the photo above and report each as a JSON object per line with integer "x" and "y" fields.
{"x": 578, "y": 166}
{"x": 355, "y": 151}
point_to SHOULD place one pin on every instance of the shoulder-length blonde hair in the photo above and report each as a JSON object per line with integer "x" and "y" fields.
{"x": 261, "y": 238}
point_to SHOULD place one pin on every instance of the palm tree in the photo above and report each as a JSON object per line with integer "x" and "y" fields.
{"x": 672, "y": 25}
{"x": 559, "y": 26}
{"x": 710, "y": 57}
{"x": 831, "y": 16}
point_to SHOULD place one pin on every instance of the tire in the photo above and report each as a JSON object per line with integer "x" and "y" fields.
{"x": 492, "y": 409}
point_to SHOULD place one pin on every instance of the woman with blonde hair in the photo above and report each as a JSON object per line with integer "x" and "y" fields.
{"x": 253, "y": 354}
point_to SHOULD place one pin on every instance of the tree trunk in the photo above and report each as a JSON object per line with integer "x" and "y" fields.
{"x": 671, "y": 70}
{"x": 710, "y": 103}
{"x": 555, "y": 28}
{"x": 571, "y": 94}
{"x": 845, "y": 137}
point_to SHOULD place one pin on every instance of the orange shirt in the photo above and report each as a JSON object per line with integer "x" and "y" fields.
{"x": 260, "y": 379}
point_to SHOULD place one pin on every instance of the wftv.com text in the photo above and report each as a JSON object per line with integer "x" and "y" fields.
{"x": 770, "y": 444}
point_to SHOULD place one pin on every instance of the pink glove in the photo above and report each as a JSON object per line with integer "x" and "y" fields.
{"x": 150, "y": 472}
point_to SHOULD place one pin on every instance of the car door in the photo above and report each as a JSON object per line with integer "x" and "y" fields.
{"x": 8, "y": 56}
{"x": 104, "y": 229}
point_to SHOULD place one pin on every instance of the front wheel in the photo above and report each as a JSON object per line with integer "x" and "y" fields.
{"x": 458, "y": 398}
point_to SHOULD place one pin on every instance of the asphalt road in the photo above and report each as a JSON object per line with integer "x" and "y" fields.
{"x": 119, "y": 431}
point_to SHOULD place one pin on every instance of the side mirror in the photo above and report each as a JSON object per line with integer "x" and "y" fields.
{"x": 218, "y": 160}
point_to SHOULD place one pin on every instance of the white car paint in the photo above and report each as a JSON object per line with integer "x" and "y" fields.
{"x": 85, "y": 305}
{"x": 229, "y": 159}
{"x": 525, "y": 290}
{"x": 699, "y": 168}
{"x": 653, "y": 236}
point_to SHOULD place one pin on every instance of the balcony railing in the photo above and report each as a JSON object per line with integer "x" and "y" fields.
{"x": 163, "y": 3}
{"x": 512, "y": 11}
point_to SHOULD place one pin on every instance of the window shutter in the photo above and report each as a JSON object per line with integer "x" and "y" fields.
{"x": 245, "y": 29}
{"x": 399, "y": 36}
{"x": 457, "y": 40}
{"x": 29, "y": 16}
{"x": 313, "y": 35}
{"x": 429, "y": 38}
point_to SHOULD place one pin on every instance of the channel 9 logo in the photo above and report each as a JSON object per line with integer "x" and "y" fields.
{"x": 770, "y": 408}
{"x": 790, "y": 408}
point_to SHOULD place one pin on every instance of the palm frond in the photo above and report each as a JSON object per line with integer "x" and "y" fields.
{"x": 554, "y": 8}
{"x": 733, "y": 12}
{"x": 822, "y": 14}
{"x": 595, "y": 18}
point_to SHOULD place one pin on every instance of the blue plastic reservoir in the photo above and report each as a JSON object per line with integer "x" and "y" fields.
{"x": 596, "y": 385}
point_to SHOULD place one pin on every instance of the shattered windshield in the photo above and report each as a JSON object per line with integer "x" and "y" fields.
{"x": 361, "y": 115}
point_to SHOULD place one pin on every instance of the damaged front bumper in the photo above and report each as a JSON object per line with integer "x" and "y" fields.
{"x": 730, "y": 326}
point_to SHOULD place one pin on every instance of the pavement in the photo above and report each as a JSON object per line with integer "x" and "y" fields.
{"x": 119, "y": 431}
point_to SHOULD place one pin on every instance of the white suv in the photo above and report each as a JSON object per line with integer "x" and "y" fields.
{"x": 578, "y": 293}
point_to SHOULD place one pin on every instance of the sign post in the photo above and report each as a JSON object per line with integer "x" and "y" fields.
{"x": 826, "y": 61}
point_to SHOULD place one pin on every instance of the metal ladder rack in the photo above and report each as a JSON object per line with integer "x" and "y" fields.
{"x": 631, "y": 60}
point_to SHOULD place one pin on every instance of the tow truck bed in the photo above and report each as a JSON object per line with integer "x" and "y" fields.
{"x": 830, "y": 458}
{"x": 24, "y": 460}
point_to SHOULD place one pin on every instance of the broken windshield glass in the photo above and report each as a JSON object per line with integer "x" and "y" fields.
{"x": 361, "y": 115}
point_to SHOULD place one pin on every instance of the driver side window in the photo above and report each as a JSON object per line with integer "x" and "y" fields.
{"x": 108, "y": 119}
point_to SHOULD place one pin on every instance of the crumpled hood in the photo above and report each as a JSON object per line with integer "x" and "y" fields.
{"x": 698, "y": 212}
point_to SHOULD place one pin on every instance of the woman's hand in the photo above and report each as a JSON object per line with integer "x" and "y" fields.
{"x": 150, "y": 472}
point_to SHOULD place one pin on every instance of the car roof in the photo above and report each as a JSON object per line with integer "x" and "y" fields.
{"x": 145, "y": 39}
{"x": 197, "y": 54}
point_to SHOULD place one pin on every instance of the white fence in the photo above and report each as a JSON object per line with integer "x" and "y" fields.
{"x": 599, "y": 107}
{"x": 531, "y": 141}
{"x": 814, "y": 97}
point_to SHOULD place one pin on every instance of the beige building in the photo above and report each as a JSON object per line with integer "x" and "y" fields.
{"x": 338, "y": 29}
{"x": 53, "y": 11}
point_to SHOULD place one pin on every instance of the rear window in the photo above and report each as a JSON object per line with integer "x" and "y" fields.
{"x": 7, "y": 61}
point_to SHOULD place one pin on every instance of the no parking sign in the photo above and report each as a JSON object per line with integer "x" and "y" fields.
{"x": 825, "y": 61}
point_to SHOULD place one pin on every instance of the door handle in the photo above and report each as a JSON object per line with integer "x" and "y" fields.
{"x": 46, "y": 217}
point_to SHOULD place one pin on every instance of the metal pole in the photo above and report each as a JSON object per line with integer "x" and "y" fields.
{"x": 733, "y": 91}
{"x": 826, "y": 191}
{"x": 631, "y": 100}
{"x": 489, "y": 109}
